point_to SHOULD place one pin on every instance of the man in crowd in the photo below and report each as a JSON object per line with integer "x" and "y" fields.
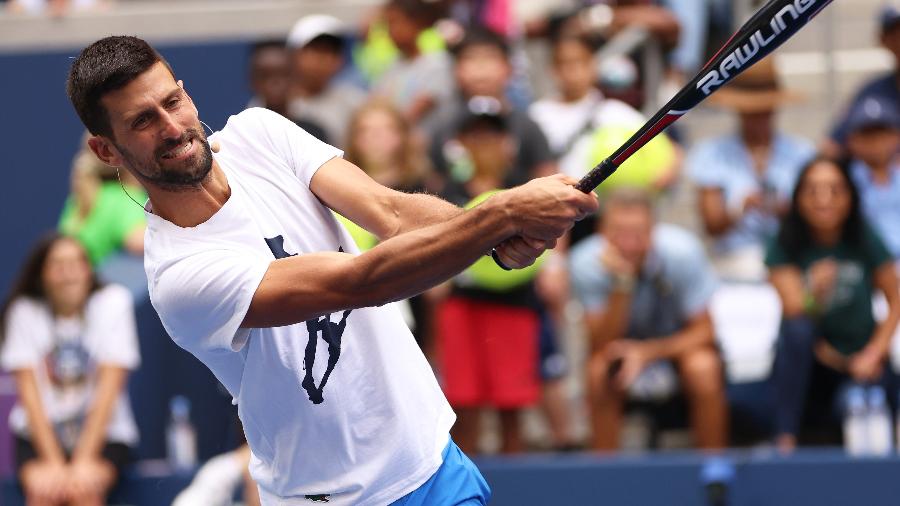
{"x": 646, "y": 290}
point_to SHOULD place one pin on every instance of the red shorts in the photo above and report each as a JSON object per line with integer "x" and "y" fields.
{"x": 488, "y": 354}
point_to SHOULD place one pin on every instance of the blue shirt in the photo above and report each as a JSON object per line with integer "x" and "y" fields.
{"x": 880, "y": 203}
{"x": 883, "y": 88}
{"x": 725, "y": 163}
{"x": 675, "y": 284}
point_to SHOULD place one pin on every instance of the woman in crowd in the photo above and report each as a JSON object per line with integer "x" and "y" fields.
{"x": 826, "y": 263}
{"x": 70, "y": 343}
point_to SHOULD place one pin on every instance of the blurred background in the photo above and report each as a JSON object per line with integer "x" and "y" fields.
{"x": 739, "y": 372}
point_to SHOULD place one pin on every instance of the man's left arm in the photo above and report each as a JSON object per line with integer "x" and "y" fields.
{"x": 386, "y": 213}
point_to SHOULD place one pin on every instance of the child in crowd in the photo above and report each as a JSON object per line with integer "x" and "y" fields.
{"x": 70, "y": 343}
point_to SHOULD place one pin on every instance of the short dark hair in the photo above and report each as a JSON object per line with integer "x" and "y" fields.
{"x": 106, "y": 65}
{"x": 480, "y": 36}
{"x": 423, "y": 12}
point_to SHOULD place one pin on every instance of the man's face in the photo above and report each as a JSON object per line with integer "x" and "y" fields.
{"x": 891, "y": 41}
{"x": 482, "y": 70}
{"x": 628, "y": 229}
{"x": 492, "y": 151}
{"x": 316, "y": 63}
{"x": 573, "y": 64}
{"x": 156, "y": 133}
{"x": 269, "y": 76}
{"x": 875, "y": 145}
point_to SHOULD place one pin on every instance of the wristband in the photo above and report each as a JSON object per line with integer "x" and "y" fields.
{"x": 499, "y": 262}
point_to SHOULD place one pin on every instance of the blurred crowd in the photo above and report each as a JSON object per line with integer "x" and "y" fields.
{"x": 434, "y": 96}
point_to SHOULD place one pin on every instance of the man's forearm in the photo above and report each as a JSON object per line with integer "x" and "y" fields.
{"x": 698, "y": 333}
{"x": 417, "y": 210}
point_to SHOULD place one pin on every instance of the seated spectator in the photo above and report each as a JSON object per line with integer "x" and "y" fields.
{"x": 417, "y": 82}
{"x": 482, "y": 69}
{"x": 380, "y": 141}
{"x": 874, "y": 144}
{"x": 487, "y": 334}
{"x": 585, "y": 127}
{"x": 646, "y": 290}
{"x": 104, "y": 211}
{"x": 70, "y": 343}
{"x": 270, "y": 81}
{"x": 745, "y": 179}
{"x": 269, "y": 75}
{"x": 317, "y": 46}
{"x": 826, "y": 263}
{"x": 886, "y": 88}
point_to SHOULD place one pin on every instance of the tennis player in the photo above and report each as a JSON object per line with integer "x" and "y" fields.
{"x": 251, "y": 273}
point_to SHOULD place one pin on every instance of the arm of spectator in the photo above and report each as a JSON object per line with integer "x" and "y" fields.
{"x": 110, "y": 383}
{"x": 134, "y": 240}
{"x": 788, "y": 282}
{"x": 42, "y": 435}
{"x": 661, "y": 22}
{"x": 696, "y": 334}
{"x": 867, "y": 364}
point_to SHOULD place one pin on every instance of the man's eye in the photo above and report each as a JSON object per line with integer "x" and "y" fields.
{"x": 173, "y": 103}
{"x": 140, "y": 122}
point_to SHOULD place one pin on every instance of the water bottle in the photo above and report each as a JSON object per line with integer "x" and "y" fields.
{"x": 180, "y": 435}
{"x": 879, "y": 423}
{"x": 855, "y": 421}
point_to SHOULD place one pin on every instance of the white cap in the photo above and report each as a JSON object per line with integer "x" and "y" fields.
{"x": 309, "y": 27}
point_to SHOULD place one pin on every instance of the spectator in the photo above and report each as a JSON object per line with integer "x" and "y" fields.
{"x": 646, "y": 290}
{"x": 269, "y": 75}
{"x": 874, "y": 144}
{"x": 317, "y": 55}
{"x": 585, "y": 127}
{"x": 270, "y": 81}
{"x": 417, "y": 81}
{"x": 482, "y": 69}
{"x": 885, "y": 88}
{"x": 70, "y": 343}
{"x": 745, "y": 179}
{"x": 487, "y": 335}
{"x": 826, "y": 264}
{"x": 380, "y": 141}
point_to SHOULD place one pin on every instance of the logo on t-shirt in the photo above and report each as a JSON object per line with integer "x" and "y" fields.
{"x": 331, "y": 333}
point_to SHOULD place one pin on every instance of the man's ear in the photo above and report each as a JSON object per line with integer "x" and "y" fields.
{"x": 105, "y": 151}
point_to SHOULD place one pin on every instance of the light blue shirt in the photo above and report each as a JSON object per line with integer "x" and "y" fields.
{"x": 725, "y": 163}
{"x": 880, "y": 203}
{"x": 676, "y": 282}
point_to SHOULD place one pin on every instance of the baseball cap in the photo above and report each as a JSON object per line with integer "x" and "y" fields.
{"x": 889, "y": 17}
{"x": 313, "y": 26}
{"x": 482, "y": 110}
{"x": 874, "y": 111}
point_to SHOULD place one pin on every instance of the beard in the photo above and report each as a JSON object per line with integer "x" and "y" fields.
{"x": 172, "y": 175}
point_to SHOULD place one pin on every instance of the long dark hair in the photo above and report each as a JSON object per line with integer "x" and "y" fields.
{"x": 795, "y": 235}
{"x": 30, "y": 282}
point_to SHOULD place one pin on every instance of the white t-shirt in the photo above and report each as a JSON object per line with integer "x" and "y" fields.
{"x": 64, "y": 354}
{"x": 375, "y": 431}
{"x": 562, "y": 121}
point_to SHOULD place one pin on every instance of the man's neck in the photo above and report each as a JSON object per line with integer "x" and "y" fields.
{"x": 190, "y": 207}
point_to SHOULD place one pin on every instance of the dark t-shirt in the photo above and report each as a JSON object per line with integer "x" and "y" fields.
{"x": 533, "y": 148}
{"x": 846, "y": 320}
{"x": 884, "y": 88}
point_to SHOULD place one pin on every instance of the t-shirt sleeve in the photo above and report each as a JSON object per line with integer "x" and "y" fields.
{"x": 113, "y": 327}
{"x": 693, "y": 276}
{"x": 202, "y": 299}
{"x": 19, "y": 349}
{"x": 297, "y": 147}
{"x": 590, "y": 280}
{"x": 535, "y": 147}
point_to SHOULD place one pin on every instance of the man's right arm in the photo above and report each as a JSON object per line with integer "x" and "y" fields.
{"x": 298, "y": 288}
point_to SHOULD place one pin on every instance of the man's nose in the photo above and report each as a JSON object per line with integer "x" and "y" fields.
{"x": 170, "y": 129}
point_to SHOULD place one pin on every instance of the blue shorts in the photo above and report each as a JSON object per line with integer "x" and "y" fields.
{"x": 456, "y": 482}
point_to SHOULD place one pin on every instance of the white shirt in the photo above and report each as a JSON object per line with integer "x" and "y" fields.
{"x": 375, "y": 431}
{"x": 108, "y": 335}
{"x": 562, "y": 121}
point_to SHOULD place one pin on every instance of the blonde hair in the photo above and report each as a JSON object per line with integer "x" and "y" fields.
{"x": 411, "y": 163}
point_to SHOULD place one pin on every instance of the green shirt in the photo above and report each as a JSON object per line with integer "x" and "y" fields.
{"x": 846, "y": 319}
{"x": 111, "y": 219}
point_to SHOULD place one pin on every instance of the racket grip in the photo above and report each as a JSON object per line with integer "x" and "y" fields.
{"x": 596, "y": 176}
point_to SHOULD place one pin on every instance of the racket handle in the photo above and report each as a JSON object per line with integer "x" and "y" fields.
{"x": 596, "y": 176}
